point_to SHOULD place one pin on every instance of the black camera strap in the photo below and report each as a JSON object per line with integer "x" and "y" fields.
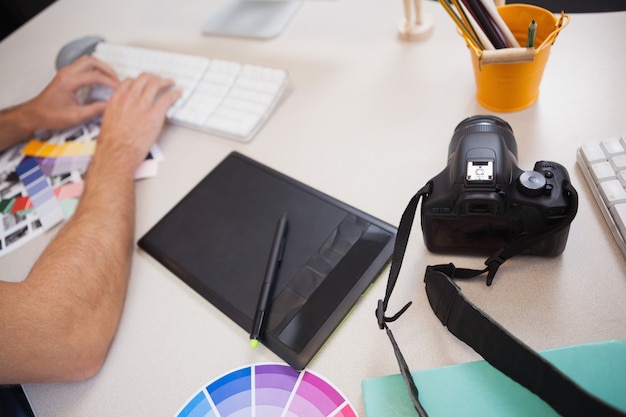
{"x": 483, "y": 334}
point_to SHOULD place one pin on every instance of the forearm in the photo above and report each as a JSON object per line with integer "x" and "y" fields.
{"x": 59, "y": 322}
{"x": 78, "y": 285}
{"x": 15, "y": 125}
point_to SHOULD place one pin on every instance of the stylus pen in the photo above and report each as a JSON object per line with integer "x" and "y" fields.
{"x": 271, "y": 271}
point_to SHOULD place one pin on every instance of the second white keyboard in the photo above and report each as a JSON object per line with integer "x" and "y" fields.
{"x": 603, "y": 164}
{"x": 226, "y": 98}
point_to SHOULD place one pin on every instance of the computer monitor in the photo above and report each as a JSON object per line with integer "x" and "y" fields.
{"x": 262, "y": 19}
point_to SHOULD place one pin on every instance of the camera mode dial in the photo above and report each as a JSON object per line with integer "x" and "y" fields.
{"x": 531, "y": 183}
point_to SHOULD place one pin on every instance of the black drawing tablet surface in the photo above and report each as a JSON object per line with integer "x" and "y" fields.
{"x": 217, "y": 239}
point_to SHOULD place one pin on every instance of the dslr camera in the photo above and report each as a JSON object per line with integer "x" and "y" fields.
{"x": 482, "y": 201}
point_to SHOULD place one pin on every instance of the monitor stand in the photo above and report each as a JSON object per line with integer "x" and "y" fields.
{"x": 263, "y": 19}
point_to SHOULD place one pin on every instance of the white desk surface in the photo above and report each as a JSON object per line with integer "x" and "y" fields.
{"x": 368, "y": 121}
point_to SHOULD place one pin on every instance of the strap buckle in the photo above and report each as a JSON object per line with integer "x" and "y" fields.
{"x": 493, "y": 263}
{"x": 382, "y": 319}
{"x": 380, "y": 314}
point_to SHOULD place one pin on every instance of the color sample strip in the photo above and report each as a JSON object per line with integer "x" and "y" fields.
{"x": 232, "y": 394}
{"x": 268, "y": 390}
{"x": 53, "y": 167}
{"x": 65, "y": 192}
{"x": 147, "y": 169}
{"x": 69, "y": 206}
{"x": 346, "y": 411}
{"x": 32, "y": 147}
{"x": 315, "y": 397}
{"x": 40, "y": 193}
{"x": 274, "y": 385}
{"x": 198, "y": 406}
{"x": 20, "y": 204}
{"x": 41, "y": 149}
{"x": 6, "y": 205}
{"x": 71, "y": 190}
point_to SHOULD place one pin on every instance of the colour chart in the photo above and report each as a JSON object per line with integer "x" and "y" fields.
{"x": 268, "y": 390}
{"x": 41, "y": 195}
{"x": 41, "y": 181}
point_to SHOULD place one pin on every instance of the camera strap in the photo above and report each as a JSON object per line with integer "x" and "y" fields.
{"x": 483, "y": 334}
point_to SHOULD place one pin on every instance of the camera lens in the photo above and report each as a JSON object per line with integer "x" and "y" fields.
{"x": 484, "y": 124}
{"x": 531, "y": 183}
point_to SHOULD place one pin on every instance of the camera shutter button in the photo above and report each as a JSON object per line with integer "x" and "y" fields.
{"x": 531, "y": 183}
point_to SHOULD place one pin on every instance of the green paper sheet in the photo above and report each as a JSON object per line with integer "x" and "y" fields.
{"x": 478, "y": 389}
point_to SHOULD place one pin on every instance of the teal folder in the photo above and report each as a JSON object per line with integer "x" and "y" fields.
{"x": 478, "y": 389}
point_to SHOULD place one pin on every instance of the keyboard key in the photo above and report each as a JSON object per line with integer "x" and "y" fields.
{"x": 612, "y": 192}
{"x": 612, "y": 146}
{"x": 618, "y": 162}
{"x": 618, "y": 213}
{"x": 592, "y": 152}
{"x": 602, "y": 171}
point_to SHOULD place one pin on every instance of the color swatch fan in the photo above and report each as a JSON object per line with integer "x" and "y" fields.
{"x": 41, "y": 181}
{"x": 268, "y": 390}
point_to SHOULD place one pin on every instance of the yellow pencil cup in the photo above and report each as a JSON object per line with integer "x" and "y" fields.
{"x": 508, "y": 79}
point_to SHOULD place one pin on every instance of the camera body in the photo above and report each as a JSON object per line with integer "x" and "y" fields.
{"x": 482, "y": 201}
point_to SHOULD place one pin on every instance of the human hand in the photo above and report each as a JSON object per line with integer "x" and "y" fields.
{"x": 58, "y": 107}
{"x": 134, "y": 117}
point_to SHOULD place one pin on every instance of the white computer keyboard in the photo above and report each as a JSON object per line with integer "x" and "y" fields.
{"x": 603, "y": 163}
{"x": 226, "y": 98}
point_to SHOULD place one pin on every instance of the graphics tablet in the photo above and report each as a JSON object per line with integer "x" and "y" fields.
{"x": 217, "y": 239}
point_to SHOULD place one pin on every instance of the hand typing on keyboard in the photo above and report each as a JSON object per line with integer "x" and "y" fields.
{"x": 221, "y": 97}
{"x": 604, "y": 165}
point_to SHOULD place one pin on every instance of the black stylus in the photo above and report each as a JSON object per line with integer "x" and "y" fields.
{"x": 271, "y": 271}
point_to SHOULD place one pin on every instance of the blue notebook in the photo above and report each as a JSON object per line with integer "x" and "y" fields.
{"x": 478, "y": 389}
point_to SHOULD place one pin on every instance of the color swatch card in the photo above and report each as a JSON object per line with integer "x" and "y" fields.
{"x": 40, "y": 192}
{"x": 41, "y": 181}
{"x": 268, "y": 390}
